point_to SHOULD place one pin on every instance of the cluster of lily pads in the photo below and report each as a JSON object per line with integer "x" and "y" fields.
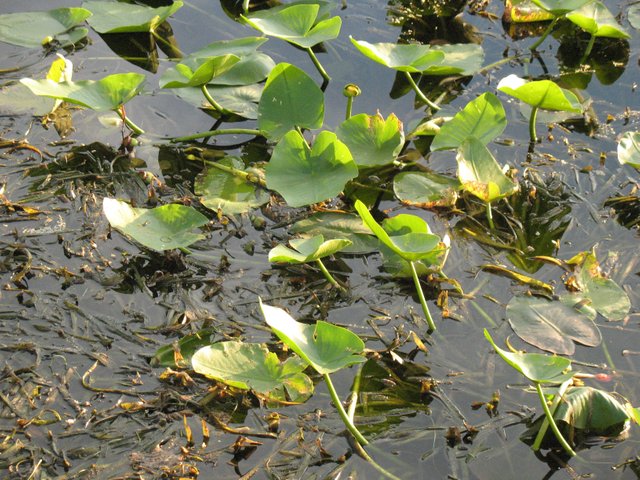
{"x": 310, "y": 165}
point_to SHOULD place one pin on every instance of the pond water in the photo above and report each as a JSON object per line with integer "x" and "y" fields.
{"x": 83, "y": 309}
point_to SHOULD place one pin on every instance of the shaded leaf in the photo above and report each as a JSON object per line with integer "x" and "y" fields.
{"x": 426, "y": 189}
{"x": 372, "y": 140}
{"x": 29, "y": 29}
{"x": 239, "y": 100}
{"x": 543, "y": 94}
{"x": 197, "y": 71}
{"x": 118, "y": 17}
{"x": 179, "y": 353}
{"x": 339, "y": 225}
{"x": 592, "y": 410}
{"x": 560, "y": 7}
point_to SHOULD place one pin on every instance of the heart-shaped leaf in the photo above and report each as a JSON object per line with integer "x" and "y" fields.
{"x": 480, "y": 174}
{"x": 629, "y": 149}
{"x": 553, "y": 325}
{"x": 483, "y": 118}
{"x": 29, "y": 29}
{"x": 560, "y": 7}
{"x": 253, "y": 366}
{"x": 596, "y": 19}
{"x": 324, "y": 346}
{"x": 197, "y": 71}
{"x": 305, "y": 250}
{"x": 591, "y": 410}
{"x": 290, "y": 99}
{"x": 304, "y": 175}
{"x": 426, "y": 189}
{"x": 459, "y": 59}
{"x": 412, "y": 58}
{"x": 108, "y": 93}
{"x": 297, "y": 24}
{"x": 221, "y": 190}
{"x": 161, "y": 228}
{"x": 543, "y": 94}
{"x": 118, "y": 17}
{"x": 536, "y": 367}
{"x": 407, "y": 235}
{"x": 372, "y": 140}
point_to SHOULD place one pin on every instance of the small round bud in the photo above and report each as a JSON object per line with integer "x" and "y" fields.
{"x": 351, "y": 90}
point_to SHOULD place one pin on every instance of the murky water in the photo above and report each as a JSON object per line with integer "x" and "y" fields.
{"x": 82, "y": 309}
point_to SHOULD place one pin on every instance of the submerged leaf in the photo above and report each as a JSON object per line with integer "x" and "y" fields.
{"x": 118, "y": 17}
{"x": 30, "y": 29}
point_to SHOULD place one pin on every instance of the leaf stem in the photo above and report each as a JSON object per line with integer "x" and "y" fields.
{"x": 349, "y": 108}
{"x": 587, "y": 52}
{"x": 132, "y": 126}
{"x": 214, "y": 104}
{"x": 318, "y": 65}
{"x": 343, "y": 414}
{"x": 421, "y": 95}
{"x": 552, "y": 422}
{"x": 532, "y": 124}
{"x": 490, "y": 216}
{"x": 423, "y": 301}
{"x": 545, "y": 34}
{"x": 545, "y": 424}
{"x": 212, "y": 133}
{"x": 328, "y": 275}
{"x": 353, "y": 400}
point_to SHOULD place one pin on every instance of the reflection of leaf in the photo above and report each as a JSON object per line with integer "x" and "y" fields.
{"x": 551, "y": 325}
{"x": 116, "y": 17}
{"x": 324, "y": 346}
{"x": 426, "y": 189}
{"x": 372, "y": 140}
{"x": 161, "y": 228}
{"x": 253, "y": 366}
{"x": 305, "y": 250}
{"x": 29, "y": 29}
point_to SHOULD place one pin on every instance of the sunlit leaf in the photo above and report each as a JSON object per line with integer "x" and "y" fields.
{"x": 253, "y": 366}
{"x": 483, "y": 118}
{"x": 543, "y": 94}
{"x": 304, "y": 175}
{"x": 197, "y": 71}
{"x": 536, "y": 367}
{"x": 324, "y": 346}
{"x": 30, "y": 29}
{"x": 405, "y": 58}
{"x": 629, "y": 149}
{"x": 108, "y": 93}
{"x": 459, "y": 59}
{"x": 290, "y": 99}
{"x": 118, "y": 17}
{"x": 372, "y": 140}
{"x": 161, "y": 228}
{"x": 305, "y": 250}
{"x": 560, "y": 7}
{"x": 339, "y": 225}
{"x": 426, "y": 189}
{"x": 596, "y": 19}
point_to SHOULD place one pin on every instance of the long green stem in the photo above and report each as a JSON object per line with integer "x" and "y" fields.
{"x": 343, "y": 414}
{"x": 532, "y": 124}
{"x": 490, "y": 216}
{"x": 214, "y": 104}
{"x": 552, "y": 422}
{"x": 421, "y": 95}
{"x": 328, "y": 275}
{"x": 587, "y": 52}
{"x": 423, "y": 301}
{"x": 545, "y": 423}
{"x": 545, "y": 34}
{"x": 318, "y": 65}
{"x": 132, "y": 126}
{"x": 353, "y": 400}
{"x": 349, "y": 107}
{"x": 212, "y": 133}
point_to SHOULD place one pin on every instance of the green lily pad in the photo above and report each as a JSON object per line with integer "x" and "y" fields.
{"x": 560, "y": 7}
{"x": 179, "y": 353}
{"x": 223, "y": 191}
{"x": 552, "y": 325}
{"x": 108, "y": 93}
{"x": 304, "y": 175}
{"x": 459, "y": 59}
{"x": 543, "y": 94}
{"x": 629, "y": 149}
{"x": 240, "y": 100}
{"x": 197, "y": 71}
{"x": 118, "y": 17}
{"x": 480, "y": 174}
{"x": 297, "y": 24}
{"x": 30, "y": 29}
{"x": 592, "y": 410}
{"x": 411, "y": 58}
{"x": 305, "y": 250}
{"x": 161, "y": 228}
{"x": 407, "y": 235}
{"x": 426, "y": 189}
{"x": 252, "y": 366}
{"x": 372, "y": 140}
{"x": 324, "y": 346}
{"x": 596, "y": 19}
{"x": 536, "y": 367}
{"x": 483, "y": 118}
{"x": 339, "y": 225}
{"x": 290, "y": 99}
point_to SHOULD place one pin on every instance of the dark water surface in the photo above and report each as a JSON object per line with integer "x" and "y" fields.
{"x": 77, "y": 330}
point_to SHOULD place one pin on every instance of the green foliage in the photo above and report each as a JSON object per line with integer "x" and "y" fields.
{"x": 560, "y": 7}
{"x": 161, "y": 228}
{"x": 372, "y": 140}
{"x": 592, "y": 410}
{"x": 118, "y": 17}
{"x": 305, "y": 250}
{"x": 179, "y": 353}
{"x": 197, "y": 71}
{"x": 543, "y": 94}
{"x": 31, "y": 29}
{"x": 305, "y": 175}
{"x": 426, "y": 189}
{"x": 629, "y": 149}
{"x": 339, "y": 225}
{"x": 595, "y": 18}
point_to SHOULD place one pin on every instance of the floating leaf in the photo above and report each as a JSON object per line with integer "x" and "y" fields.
{"x": 305, "y": 250}
{"x": 372, "y": 140}
{"x": 108, "y": 93}
{"x": 411, "y": 58}
{"x": 629, "y": 149}
{"x": 179, "y": 353}
{"x": 290, "y": 99}
{"x": 30, "y": 29}
{"x": 253, "y": 366}
{"x": 480, "y": 174}
{"x": 324, "y": 346}
{"x": 304, "y": 175}
{"x": 339, "y": 225}
{"x": 221, "y": 190}
{"x": 426, "y": 189}
{"x": 536, "y": 367}
{"x": 483, "y": 118}
{"x": 596, "y": 19}
{"x": 459, "y": 59}
{"x": 196, "y": 71}
{"x": 552, "y": 325}
{"x": 161, "y": 228}
{"x": 239, "y": 100}
{"x": 117, "y": 17}
{"x": 560, "y": 7}
{"x": 297, "y": 24}
{"x": 543, "y": 94}
{"x": 592, "y": 410}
